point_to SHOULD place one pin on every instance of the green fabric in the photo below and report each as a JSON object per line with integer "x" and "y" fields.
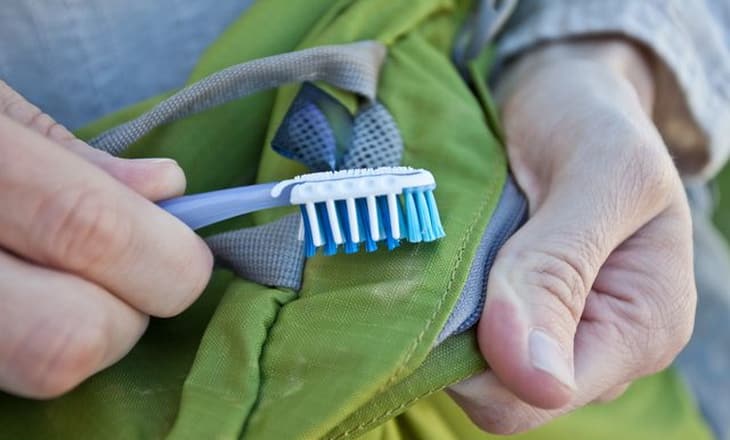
{"x": 361, "y": 324}
{"x": 353, "y": 348}
{"x": 657, "y": 407}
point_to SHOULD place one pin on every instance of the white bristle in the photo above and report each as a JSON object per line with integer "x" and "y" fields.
{"x": 373, "y": 217}
{"x": 334, "y": 222}
{"x": 314, "y": 224}
{"x": 300, "y": 235}
{"x": 352, "y": 220}
{"x": 393, "y": 214}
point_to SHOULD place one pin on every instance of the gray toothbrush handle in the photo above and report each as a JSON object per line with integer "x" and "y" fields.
{"x": 199, "y": 210}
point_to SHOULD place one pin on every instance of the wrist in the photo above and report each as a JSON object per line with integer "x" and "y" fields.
{"x": 620, "y": 57}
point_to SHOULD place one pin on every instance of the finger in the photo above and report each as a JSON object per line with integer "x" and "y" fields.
{"x": 58, "y": 329}
{"x": 539, "y": 282}
{"x": 495, "y": 409}
{"x": 155, "y": 179}
{"x": 643, "y": 299}
{"x": 70, "y": 215}
{"x": 621, "y": 337}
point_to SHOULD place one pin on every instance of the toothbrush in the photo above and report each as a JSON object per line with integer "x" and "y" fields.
{"x": 338, "y": 208}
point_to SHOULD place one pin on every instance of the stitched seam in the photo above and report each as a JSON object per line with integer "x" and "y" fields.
{"x": 439, "y": 304}
{"x": 378, "y": 419}
{"x": 264, "y": 346}
{"x": 412, "y": 349}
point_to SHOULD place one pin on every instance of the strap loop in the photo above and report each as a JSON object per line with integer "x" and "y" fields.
{"x": 352, "y": 67}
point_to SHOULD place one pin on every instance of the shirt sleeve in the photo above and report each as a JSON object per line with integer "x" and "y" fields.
{"x": 691, "y": 41}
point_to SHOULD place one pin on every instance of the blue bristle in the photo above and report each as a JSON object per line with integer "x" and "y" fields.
{"x": 362, "y": 215}
{"x": 418, "y": 217}
{"x": 413, "y": 228}
{"x": 385, "y": 222}
{"x": 309, "y": 249}
{"x": 350, "y": 246}
{"x": 423, "y": 216}
{"x": 402, "y": 220}
{"x": 433, "y": 210}
{"x": 330, "y": 247}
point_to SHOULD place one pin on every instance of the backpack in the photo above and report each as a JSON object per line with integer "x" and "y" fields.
{"x": 279, "y": 347}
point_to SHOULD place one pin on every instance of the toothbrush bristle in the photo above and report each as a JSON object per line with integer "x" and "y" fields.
{"x": 417, "y": 220}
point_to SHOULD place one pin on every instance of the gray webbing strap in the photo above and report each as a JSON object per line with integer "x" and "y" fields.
{"x": 352, "y": 67}
{"x": 481, "y": 27}
{"x": 269, "y": 254}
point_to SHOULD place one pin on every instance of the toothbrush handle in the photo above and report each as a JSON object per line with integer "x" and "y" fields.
{"x": 198, "y": 210}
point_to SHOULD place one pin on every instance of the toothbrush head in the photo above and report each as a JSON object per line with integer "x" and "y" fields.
{"x": 343, "y": 209}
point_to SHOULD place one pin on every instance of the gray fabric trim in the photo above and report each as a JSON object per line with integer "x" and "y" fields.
{"x": 269, "y": 254}
{"x": 480, "y": 28}
{"x": 352, "y": 67}
{"x": 508, "y": 216}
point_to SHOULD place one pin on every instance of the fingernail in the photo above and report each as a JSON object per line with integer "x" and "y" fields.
{"x": 155, "y": 178}
{"x": 547, "y": 355}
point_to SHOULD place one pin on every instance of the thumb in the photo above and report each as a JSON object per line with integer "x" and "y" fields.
{"x": 538, "y": 285}
{"x": 154, "y": 179}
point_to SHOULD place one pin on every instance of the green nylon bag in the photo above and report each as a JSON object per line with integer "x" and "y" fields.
{"x": 354, "y": 348}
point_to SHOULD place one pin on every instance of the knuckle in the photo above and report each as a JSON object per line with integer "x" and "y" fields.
{"x": 563, "y": 277}
{"x": 57, "y": 358}
{"x": 673, "y": 318}
{"x": 194, "y": 275}
{"x": 20, "y": 110}
{"x": 43, "y": 124}
{"x": 13, "y": 105}
{"x": 650, "y": 178}
{"x": 80, "y": 228}
{"x": 676, "y": 330}
{"x": 662, "y": 327}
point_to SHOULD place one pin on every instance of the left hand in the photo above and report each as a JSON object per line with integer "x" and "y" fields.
{"x": 597, "y": 289}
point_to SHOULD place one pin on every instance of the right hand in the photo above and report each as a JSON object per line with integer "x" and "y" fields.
{"x": 85, "y": 257}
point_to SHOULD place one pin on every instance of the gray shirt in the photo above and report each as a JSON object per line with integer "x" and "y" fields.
{"x": 691, "y": 42}
{"x": 81, "y": 59}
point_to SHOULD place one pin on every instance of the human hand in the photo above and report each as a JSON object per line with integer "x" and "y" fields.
{"x": 85, "y": 257}
{"x": 597, "y": 289}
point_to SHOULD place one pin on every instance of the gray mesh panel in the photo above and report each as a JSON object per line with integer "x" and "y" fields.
{"x": 376, "y": 140}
